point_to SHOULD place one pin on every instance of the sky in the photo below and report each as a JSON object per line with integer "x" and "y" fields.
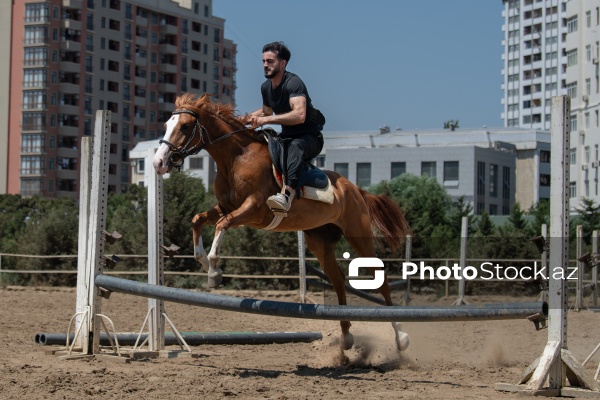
{"x": 402, "y": 63}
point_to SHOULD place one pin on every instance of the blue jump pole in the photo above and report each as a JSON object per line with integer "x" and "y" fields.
{"x": 321, "y": 311}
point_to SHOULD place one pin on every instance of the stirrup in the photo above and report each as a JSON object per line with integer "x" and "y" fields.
{"x": 275, "y": 204}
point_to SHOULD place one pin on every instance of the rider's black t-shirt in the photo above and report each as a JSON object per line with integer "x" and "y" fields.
{"x": 278, "y": 100}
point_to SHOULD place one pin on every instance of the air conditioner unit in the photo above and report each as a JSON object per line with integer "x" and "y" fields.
{"x": 585, "y": 98}
{"x": 595, "y": 60}
{"x": 584, "y": 167}
{"x": 594, "y": 164}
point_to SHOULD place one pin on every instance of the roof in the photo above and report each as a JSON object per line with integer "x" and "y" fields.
{"x": 523, "y": 139}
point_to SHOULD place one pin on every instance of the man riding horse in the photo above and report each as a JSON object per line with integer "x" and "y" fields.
{"x": 286, "y": 102}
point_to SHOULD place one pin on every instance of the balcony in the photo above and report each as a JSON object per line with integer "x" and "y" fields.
{"x": 70, "y": 45}
{"x": 71, "y": 24}
{"x": 139, "y": 20}
{"x": 69, "y": 131}
{"x": 167, "y": 87}
{"x": 78, "y": 4}
{"x": 167, "y": 68}
{"x": 169, "y": 29}
{"x": 68, "y": 109}
{"x": 168, "y": 48}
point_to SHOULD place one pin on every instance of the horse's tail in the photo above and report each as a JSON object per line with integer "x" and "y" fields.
{"x": 387, "y": 218}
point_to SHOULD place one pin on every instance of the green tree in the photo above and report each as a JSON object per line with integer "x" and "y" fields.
{"x": 425, "y": 204}
{"x": 51, "y": 229}
{"x": 462, "y": 209}
{"x": 485, "y": 226}
{"x": 541, "y": 215}
{"x": 588, "y": 216}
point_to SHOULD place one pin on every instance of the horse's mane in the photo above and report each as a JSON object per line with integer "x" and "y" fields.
{"x": 225, "y": 112}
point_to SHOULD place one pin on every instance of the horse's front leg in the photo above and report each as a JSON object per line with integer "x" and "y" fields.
{"x": 244, "y": 215}
{"x": 211, "y": 217}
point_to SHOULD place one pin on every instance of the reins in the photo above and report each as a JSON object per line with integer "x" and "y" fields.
{"x": 179, "y": 154}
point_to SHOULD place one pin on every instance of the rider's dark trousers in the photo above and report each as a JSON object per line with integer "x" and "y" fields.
{"x": 298, "y": 149}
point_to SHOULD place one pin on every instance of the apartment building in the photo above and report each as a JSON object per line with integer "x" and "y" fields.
{"x": 551, "y": 48}
{"x": 69, "y": 58}
{"x": 582, "y": 49}
{"x": 534, "y": 59}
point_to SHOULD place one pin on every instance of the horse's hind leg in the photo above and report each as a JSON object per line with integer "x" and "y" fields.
{"x": 365, "y": 248}
{"x": 321, "y": 242}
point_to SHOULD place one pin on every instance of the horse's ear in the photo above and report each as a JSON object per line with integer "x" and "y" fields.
{"x": 205, "y": 98}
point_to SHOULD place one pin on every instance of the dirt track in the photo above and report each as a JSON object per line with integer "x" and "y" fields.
{"x": 458, "y": 360}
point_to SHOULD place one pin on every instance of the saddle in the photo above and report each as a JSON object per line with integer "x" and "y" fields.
{"x": 313, "y": 182}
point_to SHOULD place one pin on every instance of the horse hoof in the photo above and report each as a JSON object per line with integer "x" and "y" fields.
{"x": 215, "y": 279}
{"x": 402, "y": 341}
{"x": 347, "y": 341}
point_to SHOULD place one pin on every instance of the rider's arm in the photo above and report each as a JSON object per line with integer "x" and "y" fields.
{"x": 296, "y": 116}
{"x": 262, "y": 111}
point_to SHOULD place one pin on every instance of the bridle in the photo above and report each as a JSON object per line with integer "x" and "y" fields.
{"x": 179, "y": 154}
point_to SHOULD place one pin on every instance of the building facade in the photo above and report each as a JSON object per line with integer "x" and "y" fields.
{"x": 491, "y": 168}
{"x": 534, "y": 60}
{"x": 70, "y": 58}
{"x": 552, "y": 48}
{"x": 582, "y": 49}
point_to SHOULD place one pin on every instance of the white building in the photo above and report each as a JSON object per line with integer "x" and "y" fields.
{"x": 551, "y": 48}
{"x": 201, "y": 165}
{"x": 582, "y": 49}
{"x": 534, "y": 60}
{"x": 491, "y": 167}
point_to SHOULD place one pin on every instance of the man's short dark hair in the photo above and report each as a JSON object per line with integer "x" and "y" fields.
{"x": 280, "y": 49}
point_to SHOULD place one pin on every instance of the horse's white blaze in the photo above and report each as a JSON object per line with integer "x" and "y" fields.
{"x": 162, "y": 154}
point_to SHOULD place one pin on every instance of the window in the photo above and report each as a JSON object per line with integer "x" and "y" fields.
{"x": 506, "y": 183}
{"x": 481, "y": 178}
{"x": 573, "y": 123}
{"x": 398, "y": 168}
{"x": 571, "y": 58}
{"x": 545, "y": 180}
{"x": 341, "y": 168}
{"x": 34, "y": 99}
{"x": 544, "y": 156}
{"x": 493, "y": 180}
{"x": 363, "y": 174}
{"x": 196, "y": 162}
{"x": 572, "y": 189}
{"x": 588, "y": 19}
{"x": 451, "y": 173}
{"x": 36, "y": 34}
{"x": 572, "y": 24}
{"x": 35, "y": 56}
{"x": 32, "y": 143}
{"x": 428, "y": 168}
{"x": 34, "y": 78}
{"x": 34, "y": 121}
{"x": 573, "y": 156}
{"x": 36, "y": 12}
{"x": 572, "y": 90}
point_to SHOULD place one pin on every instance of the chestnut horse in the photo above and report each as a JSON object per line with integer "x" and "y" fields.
{"x": 245, "y": 180}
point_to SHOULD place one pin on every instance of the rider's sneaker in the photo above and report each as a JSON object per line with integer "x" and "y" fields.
{"x": 279, "y": 202}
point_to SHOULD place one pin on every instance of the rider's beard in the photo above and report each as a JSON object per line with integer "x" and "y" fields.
{"x": 269, "y": 73}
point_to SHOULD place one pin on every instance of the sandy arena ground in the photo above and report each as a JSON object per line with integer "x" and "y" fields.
{"x": 457, "y": 360}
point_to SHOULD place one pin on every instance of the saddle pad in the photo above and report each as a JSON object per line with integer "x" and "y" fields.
{"x": 324, "y": 195}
